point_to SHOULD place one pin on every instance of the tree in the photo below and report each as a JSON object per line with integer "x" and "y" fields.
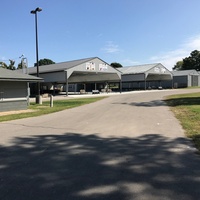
{"x": 178, "y": 65}
{"x": 45, "y": 61}
{"x": 11, "y": 65}
{"x": 22, "y": 64}
{"x": 191, "y": 62}
{"x": 2, "y": 64}
{"x": 116, "y": 65}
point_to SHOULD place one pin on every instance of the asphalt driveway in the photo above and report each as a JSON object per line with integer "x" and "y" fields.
{"x": 125, "y": 147}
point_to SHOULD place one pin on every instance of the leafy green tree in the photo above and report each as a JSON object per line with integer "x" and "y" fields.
{"x": 190, "y": 62}
{"x": 11, "y": 66}
{"x": 19, "y": 66}
{"x": 2, "y": 64}
{"x": 22, "y": 64}
{"x": 178, "y": 65}
{"x": 116, "y": 65}
{"x": 45, "y": 61}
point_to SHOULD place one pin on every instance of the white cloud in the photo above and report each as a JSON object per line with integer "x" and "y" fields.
{"x": 110, "y": 47}
{"x": 3, "y": 59}
{"x": 129, "y": 62}
{"x": 169, "y": 59}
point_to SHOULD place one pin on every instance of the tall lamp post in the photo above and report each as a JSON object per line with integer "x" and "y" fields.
{"x": 37, "y": 63}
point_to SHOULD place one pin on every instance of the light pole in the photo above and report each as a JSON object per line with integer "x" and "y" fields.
{"x": 37, "y": 64}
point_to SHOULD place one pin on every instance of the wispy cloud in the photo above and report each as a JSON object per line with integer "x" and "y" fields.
{"x": 110, "y": 47}
{"x": 2, "y": 58}
{"x": 129, "y": 62}
{"x": 100, "y": 35}
{"x": 169, "y": 59}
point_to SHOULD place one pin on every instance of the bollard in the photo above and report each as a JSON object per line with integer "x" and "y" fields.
{"x": 51, "y": 101}
{"x": 39, "y": 99}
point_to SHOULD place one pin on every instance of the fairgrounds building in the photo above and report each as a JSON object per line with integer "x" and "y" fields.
{"x": 95, "y": 75}
{"x": 149, "y": 76}
{"x": 83, "y": 75}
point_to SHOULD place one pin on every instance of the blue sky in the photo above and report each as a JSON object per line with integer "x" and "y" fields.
{"x": 130, "y": 32}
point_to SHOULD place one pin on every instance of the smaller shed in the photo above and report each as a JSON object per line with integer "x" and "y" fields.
{"x": 14, "y": 89}
{"x": 185, "y": 78}
{"x": 144, "y": 76}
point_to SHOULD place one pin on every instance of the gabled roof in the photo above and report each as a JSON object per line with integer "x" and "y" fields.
{"x": 138, "y": 69}
{"x": 185, "y": 72}
{"x": 10, "y": 75}
{"x": 59, "y": 66}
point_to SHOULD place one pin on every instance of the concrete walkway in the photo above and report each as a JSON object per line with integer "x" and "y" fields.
{"x": 126, "y": 147}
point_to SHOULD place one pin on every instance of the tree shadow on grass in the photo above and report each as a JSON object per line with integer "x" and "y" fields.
{"x": 183, "y": 101}
{"x": 75, "y": 166}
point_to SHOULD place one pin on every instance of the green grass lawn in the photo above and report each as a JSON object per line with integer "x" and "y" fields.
{"x": 58, "y": 105}
{"x": 186, "y": 108}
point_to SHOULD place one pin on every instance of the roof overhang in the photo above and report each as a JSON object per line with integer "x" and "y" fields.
{"x": 92, "y": 76}
{"x": 21, "y": 80}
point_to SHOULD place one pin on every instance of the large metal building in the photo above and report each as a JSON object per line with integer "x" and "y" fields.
{"x": 147, "y": 76}
{"x": 84, "y": 74}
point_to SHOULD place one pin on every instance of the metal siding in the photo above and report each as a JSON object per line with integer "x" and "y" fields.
{"x": 93, "y": 78}
{"x": 158, "y": 77}
{"x": 53, "y": 77}
{"x": 13, "y": 96}
{"x": 180, "y": 81}
{"x": 13, "y": 89}
{"x": 199, "y": 80}
{"x": 12, "y": 105}
{"x": 133, "y": 77}
{"x": 194, "y": 80}
{"x": 97, "y": 67}
{"x": 189, "y": 81}
{"x": 159, "y": 69}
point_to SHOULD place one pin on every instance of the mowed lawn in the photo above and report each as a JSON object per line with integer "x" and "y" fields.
{"x": 58, "y": 105}
{"x": 186, "y": 108}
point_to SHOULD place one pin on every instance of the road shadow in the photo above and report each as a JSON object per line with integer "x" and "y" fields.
{"x": 79, "y": 167}
{"x": 154, "y": 103}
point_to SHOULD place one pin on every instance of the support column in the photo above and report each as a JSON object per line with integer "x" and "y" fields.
{"x": 120, "y": 86}
{"x": 54, "y": 89}
{"x": 66, "y": 83}
{"x": 145, "y": 82}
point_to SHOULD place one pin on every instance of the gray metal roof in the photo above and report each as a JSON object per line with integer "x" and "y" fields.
{"x": 11, "y": 75}
{"x": 184, "y": 72}
{"x": 58, "y": 66}
{"x": 138, "y": 69}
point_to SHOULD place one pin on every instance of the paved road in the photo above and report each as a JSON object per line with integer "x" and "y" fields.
{"x": 126, "y": 147}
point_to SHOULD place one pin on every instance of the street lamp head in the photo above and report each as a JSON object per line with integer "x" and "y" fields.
{"x": 38, "y": 9}
{"x": 33, "y": 12}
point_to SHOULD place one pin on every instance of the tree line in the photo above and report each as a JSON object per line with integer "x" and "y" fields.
{"x": 190, "y": 62}
{"x": 41, "y": 62}
{"x": 22, "y": 64}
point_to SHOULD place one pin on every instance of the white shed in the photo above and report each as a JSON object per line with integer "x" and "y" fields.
{"x": 186, "y": 78}
{"x": 14, "y": 90}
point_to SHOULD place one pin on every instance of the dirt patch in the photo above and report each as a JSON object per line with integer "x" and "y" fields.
{"x": 15, "y": 112}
